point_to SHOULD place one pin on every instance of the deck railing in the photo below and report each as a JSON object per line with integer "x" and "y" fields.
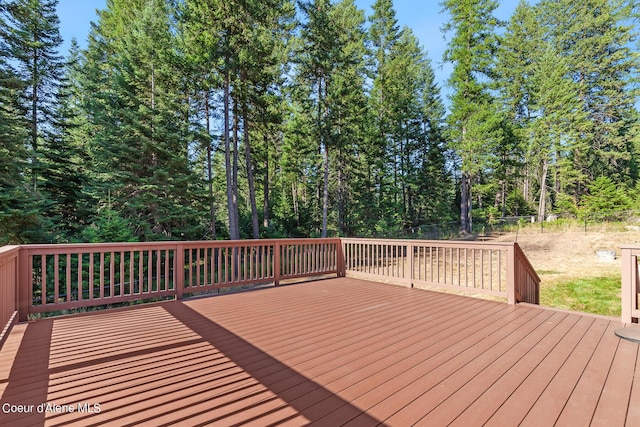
{"x": 498, "y": 269}
{"x": 61, "y": 277}
{"x": 38, "y": 279}
{"x": 8, "y": 289}
{"x": 630, "y": 285}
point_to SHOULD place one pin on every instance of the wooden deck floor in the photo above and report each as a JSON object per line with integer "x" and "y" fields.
{"x": 331, "y": 352}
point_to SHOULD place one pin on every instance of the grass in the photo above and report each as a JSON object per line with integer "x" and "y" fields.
{"x": 598, "y": 295}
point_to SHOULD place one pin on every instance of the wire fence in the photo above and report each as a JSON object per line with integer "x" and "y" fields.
{"x": 627, "y": 220}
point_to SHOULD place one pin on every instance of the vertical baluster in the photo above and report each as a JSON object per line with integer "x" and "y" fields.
{"x": 253, "y": 260}
{"x": 67, "y": 279}
{"x": 80, "y": 277}
{"x": 482, "y": 283}
{"x": 246, "y": 260}
{"x": 458, "y": 265}
{"x": 159, "y": 271}
{"x": 56, "y": 277}
{"x": 90, "y": 278}
{"x": 451, "y": 265}
{"x": 166, "y": 270}
{"x": 491, "y": 252}
{"x": 141, "y": 272}
{"x": 122, "y": 280}
{"x": 150, "y": 271}
{"x": 205, "y": 266}
{"x": 112, "y": 274}
{"x": 500, "y": 284}
{"x": 101, "y": 273}
{"x": 475, "y": 261}
{"x": 132, "y": 261}
{"x": 43, "y": 278}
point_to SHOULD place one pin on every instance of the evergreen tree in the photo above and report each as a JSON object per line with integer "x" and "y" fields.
{"x": 65, "y": 159}
{"x": 383, "y": 36}
{"x": 473, "y": 122}
{"x": 318, "y": 59}
{"x": 347, "y": 111}
{"x": 20, "y": 221}
{"x": 595, "y": 40}
{"x": 141, "y": 144}
{"x": 34, "y": 42}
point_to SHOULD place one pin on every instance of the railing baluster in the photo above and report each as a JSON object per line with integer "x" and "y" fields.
{"x": 43, "y": 275}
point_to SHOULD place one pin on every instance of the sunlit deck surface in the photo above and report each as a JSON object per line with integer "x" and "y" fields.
{"x": 328, "y": 352}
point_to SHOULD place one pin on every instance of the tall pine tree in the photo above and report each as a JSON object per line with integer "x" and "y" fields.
{"x": 473, "y": 121}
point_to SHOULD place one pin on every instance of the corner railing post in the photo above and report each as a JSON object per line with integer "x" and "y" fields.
{"x": 629, "y": 277}
{"x": 179, "y": 270}
{"x": 276, "y": 263}
{"x": 511, "y": 275}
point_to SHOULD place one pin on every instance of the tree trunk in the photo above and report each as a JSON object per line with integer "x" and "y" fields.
{"x": 233, "y": 232}
{"x": 341, "y": 195}
{"x": 212, "y": 208}
{"x": 294, "y": 196}
{"x": 542, "y": 205}
{"x": 234, "y": 169}
{"x": 252, "y": 189}
{"x": 34, "y": 123}
{"x": 265, "y": 185}
{"x": 465, "y": 202}
{"x": 325, "y": 193}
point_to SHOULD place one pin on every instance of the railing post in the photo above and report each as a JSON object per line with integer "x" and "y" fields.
{"x": 629, "y": 276}
{"x": 178, "y": 270}
{"x": 25, "y": 296}
{"x": 276, "y": 263}
{"x": 511, "y": 275}
{"x": 341, "y": 264}
{"x": 410, "y": 249}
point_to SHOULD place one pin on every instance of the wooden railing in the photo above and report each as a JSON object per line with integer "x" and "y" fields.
{"x": 38, "y": 279}
{"x": 498, "y": 269}
{"x": 630, "y": 285}
{"x": 8, "y": 289}
{"x": 62, "y": 277}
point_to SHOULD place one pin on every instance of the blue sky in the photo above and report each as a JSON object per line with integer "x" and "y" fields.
{"x": 422, "y": 16}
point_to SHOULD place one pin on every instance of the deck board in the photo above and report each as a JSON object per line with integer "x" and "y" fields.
{"x": 330, "y": 352}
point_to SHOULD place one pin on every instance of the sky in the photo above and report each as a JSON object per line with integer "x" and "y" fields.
{"x": 422, "y": 16}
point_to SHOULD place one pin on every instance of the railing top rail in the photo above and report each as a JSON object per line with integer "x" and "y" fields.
{"x": 133, "y": 246}
{"x": 442, "y": 243}
{"x": 8, "y": 250}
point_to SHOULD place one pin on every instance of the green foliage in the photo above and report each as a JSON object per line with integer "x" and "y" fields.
{"x": 605, "y": 196}
{"x": 565, "y": 204}
{"x": 109, "y": 226}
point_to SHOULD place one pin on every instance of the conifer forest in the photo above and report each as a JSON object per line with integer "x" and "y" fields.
{"x": 227, "y": 119}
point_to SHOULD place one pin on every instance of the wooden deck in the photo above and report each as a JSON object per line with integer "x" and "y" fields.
{"x": 330, "y": 352}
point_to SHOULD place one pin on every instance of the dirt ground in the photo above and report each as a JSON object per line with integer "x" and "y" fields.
{"x": 562, "y": 256}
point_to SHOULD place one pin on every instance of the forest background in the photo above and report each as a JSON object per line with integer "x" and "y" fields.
{"x": 207, "y": 119}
